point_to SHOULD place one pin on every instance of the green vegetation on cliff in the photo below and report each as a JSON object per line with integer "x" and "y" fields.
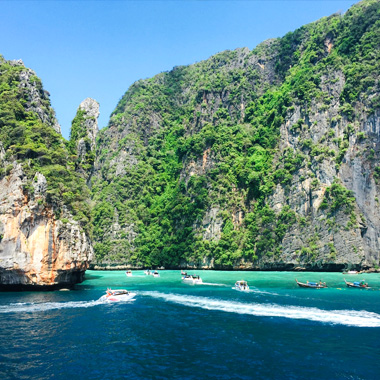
{"x": 28, "y": 136}
{"x": 209, "y": 137}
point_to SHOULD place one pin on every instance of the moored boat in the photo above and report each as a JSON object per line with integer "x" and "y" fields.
{"x": 117, "y": 295}
{"x": 351, "y": 272}
{"x": 183, "y": 273}
{"x": 192, "y": 278}
{"x": 128, "y": 273}
{"x": 148, "y": 272}
{"x": 241, "y": 285}
{"x": 155, "y": 274}
{"x": 314, "y": 285}
{"x": 357, "y": 284}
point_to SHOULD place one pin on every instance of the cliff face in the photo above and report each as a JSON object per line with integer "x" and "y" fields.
{"x": 251, "y": 159}
{"x": 36, "y": 98}
{"x": 340, "y": 226}
{"x": 142, "y": 159}
{"x": 83, "y": 134}
{"x": 37, "y": 248}
{"x": 44, "y": 240}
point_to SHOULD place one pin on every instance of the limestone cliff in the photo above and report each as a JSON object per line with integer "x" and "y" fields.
{"x": 83, "y": 134}
{"x": 251, "y": 159}
{"x": 44, "y": 234}
{"x": 36, "y": 248}
{"x": 36, "y": 98}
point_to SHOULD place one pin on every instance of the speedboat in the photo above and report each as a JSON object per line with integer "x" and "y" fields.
{"x": 192, "y": 279}
{"x": 117, "y": 295}
{"x": 357, "y": 284}
{"x": 148, "y": 272}
{"x": 241, "y": 285}
{"x": 183, "y": 273}
{"x": 128, "y": 273}
{"x": 155, "y": 274}
{"x": 314, "y": 285}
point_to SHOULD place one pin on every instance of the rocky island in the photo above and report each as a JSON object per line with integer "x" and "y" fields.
{"x": 44, "y": 202}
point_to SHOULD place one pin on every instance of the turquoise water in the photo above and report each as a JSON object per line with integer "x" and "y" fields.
{"x": 177, "y": 331}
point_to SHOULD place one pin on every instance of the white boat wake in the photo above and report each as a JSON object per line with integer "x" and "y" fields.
{"x": 46, "y": 306}
{"x": 258, "y": 291}
{"x": 343, "y": 317}
{"x": 212, "y": 284}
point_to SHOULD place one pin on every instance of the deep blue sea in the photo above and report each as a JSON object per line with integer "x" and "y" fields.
{"x": 177, "y": 331}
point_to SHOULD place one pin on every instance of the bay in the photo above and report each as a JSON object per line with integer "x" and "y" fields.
{"x": 174, "y": 330}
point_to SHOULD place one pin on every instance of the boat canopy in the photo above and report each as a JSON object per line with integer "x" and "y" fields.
{"x": 118, "y": 291}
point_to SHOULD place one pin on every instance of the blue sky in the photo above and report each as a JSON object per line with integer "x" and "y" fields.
{"x": 98, "y": 49}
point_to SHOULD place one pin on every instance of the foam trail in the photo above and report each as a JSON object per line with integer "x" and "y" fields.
{"x": 212, "y": 284}
{"x": 343, "y": 317}
{"x": 46, "y": 306}
{"x": 258, "y": 291}
{"x": 250, "y": 291}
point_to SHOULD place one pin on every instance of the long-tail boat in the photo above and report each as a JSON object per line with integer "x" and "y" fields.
{"x": 357, "y": 284}
{"x": 314, "y": 285}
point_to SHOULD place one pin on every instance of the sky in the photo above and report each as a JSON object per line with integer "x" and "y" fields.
{"x": 97, "y": 49}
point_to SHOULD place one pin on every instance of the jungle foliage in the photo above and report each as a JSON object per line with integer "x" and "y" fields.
{"x": 30, "y": 140}
{"x": 206, "y": 136}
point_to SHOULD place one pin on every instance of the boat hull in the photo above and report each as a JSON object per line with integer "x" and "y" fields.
{"x": 311, "y": 286}
{"x": 192, "y": 281}
{"x": 118, "y": 298}
{"x": 241, "y": 289}
{"x": 353, "y": 285}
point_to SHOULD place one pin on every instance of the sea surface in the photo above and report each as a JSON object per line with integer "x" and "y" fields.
{"x": 174, "y": 330}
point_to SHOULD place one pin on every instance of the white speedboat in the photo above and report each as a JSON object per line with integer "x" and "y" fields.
{"x": 192, "y": 279}
{"x": 117, "y": 295}
{"x": 351, "y": 272}
{"x": 128, "y": 273}
{"x": 148, "y": 272}
{"x": 155, "y": 274}
{"x": 241, "y": 285}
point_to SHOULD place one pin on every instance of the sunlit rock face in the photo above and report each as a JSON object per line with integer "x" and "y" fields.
{"x": 36, "y": 248}
{"x": 90, "y": 107}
